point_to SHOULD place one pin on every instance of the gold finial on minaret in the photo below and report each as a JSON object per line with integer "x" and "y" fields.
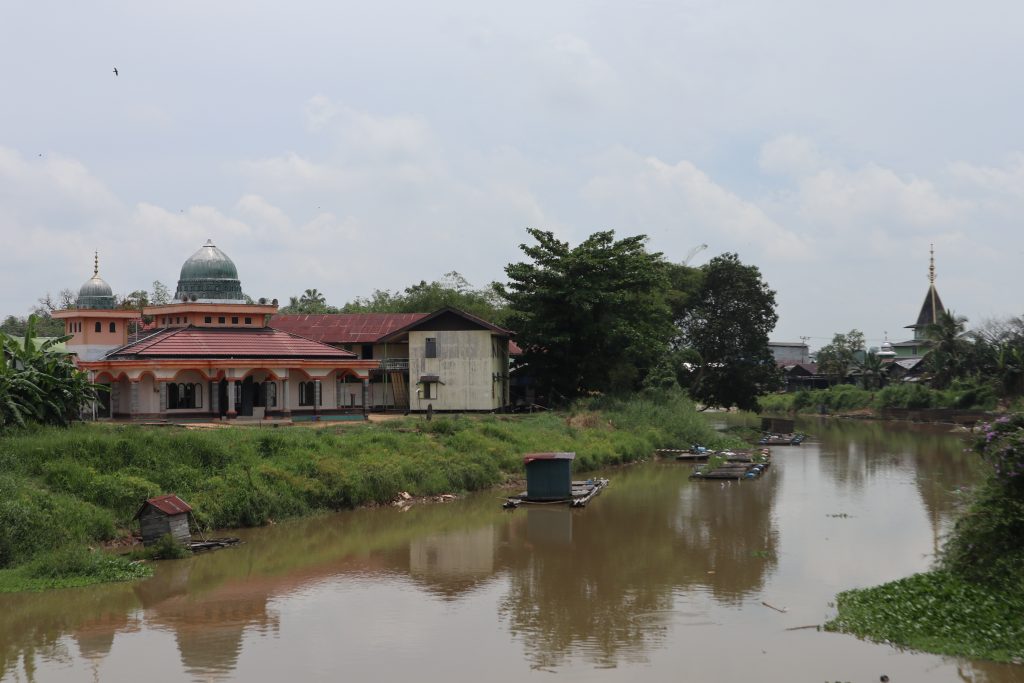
{"x": 95, "y": 263}
{"x": 931, "y": 266}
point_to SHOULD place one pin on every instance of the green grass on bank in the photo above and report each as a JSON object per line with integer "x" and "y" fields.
{"x": 937, "y": 612}
{"x": 846, "y": 397}
{"x": 69, "y": 488}
{"x": 70, "y": 567}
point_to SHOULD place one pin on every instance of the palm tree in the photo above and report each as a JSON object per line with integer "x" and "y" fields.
{"x": 947, "y": 347}
{"x": 311, "y": 297}
{"x": 870, "y": 370}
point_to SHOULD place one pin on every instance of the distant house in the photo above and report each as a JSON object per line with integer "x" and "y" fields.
{"x": 797, "y": 376}
{"x": 789, "y": 352}
{"x": 448, "y": 360}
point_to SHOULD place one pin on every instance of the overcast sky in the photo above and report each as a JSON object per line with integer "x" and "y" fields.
{"x": 361, "y": 146}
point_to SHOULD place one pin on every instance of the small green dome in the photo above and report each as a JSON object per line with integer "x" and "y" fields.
{"x": 95, "y": 293}
{"x": 209, "y": 275}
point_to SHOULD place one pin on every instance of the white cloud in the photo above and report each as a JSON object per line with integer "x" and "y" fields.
{"x": 680, "y": 204}
{"x": 789, "y": 155}
{"x": 1006, "y": 182}
{"x": 573, "y": 75}
{"x": 838, "y": 198}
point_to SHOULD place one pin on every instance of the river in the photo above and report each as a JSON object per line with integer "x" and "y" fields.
{"x": 660, "y": 578}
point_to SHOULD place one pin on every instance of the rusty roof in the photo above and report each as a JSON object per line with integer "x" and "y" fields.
{"x": 447, "y": 311}
{"x": 345, "y": 328}
{"x": 169, "y": 504}
{"x": 222, "y": 342}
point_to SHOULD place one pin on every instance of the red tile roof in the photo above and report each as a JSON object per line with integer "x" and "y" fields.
{"x": 345, "y": 328}
{"x": 214, "y": 342}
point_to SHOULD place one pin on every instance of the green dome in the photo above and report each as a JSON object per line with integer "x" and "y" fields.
{"x": 95, "y": 293}
{"x": 209, "y": 275}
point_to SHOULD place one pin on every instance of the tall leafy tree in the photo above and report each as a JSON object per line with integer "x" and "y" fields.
{"x": 590, "y": 318}
{"x": 726, "y": 330}
{"x": 838, "y": 357}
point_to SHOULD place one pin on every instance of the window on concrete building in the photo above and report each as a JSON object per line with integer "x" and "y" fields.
{"x": 248, "y": 321}
{"x": 270, "y": 394}
{"x": 234, "y": 320}
{"x": 431, "y": 350}
{"x": 113, "y": 327}
{"x": 99, "y": 327}
{"x": 309, "y": 393}
{"x": 221, "y": 320}
{"x": 429, "y": 390}
{"x": 208, "y": 319}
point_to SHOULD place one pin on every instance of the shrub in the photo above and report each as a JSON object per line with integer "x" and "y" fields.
{"x": 168, "y": 548}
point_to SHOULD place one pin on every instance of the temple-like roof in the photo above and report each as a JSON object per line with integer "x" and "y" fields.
{"x": 201, "y": 342}
{"x": 345, "y": 328}
{"x": 209, "y": 275}
{"x": 930, "y": 309}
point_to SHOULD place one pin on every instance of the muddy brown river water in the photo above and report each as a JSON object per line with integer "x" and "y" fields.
{"x": 660, "y": 578}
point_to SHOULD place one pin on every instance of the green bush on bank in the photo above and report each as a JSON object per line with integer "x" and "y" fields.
{"x": 70, "y": 566}
{"x": 75, "y": 486}
{"x": 962, "y": 395}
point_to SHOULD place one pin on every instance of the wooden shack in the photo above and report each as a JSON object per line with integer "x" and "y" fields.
{"x": 548, "y": 476}
{"x": 164, "y": 515}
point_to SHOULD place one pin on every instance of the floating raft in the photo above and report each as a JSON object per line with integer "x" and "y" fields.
{"x": 213, "y": 544}
{"x": 582, "y": 492}
{"x": 694, "y": 455}
{"x": 733, "y": 470}
{"x": 782, "y": 439}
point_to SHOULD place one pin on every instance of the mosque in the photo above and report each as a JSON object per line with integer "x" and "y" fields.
{"x": 210, "y": 354}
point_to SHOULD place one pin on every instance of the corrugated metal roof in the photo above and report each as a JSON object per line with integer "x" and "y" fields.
{"x": 169, "y": 504}
{"x": 530, "y": 457}
{"x": 213, "y": 342}
{"x": 424, "y": 324}
{"x": 345, "y": 328}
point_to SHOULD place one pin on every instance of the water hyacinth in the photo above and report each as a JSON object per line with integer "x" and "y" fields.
{"x": 1002, "y": 446}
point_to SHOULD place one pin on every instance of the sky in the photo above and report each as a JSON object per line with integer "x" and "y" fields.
{"x": 359, "y": 146}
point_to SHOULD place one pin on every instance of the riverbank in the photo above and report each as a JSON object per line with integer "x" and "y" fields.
{"x": 852, "y": 400}
{"x": 63, "y": 490}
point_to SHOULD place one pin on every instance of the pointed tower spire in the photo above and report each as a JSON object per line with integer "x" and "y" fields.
{"x": 95, "y": 263}
{"x": 931, "y": 279}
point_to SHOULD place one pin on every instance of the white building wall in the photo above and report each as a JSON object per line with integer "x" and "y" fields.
{"x": 465, "y": 365}
{"x": 789, "y": 353}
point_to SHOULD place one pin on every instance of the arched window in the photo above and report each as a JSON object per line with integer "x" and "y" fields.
{"x": 113, "y": 327}
{"x": 309, "y": 393}
{"x": 99, "y": 326}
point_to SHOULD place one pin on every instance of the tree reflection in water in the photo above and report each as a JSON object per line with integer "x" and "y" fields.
{"x": 607, "y": 590}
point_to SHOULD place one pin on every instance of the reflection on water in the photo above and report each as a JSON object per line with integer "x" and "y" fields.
{"x": 656, "y": 571}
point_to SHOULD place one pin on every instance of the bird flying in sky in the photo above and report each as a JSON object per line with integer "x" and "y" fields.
{"x": 115, "y": 70}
